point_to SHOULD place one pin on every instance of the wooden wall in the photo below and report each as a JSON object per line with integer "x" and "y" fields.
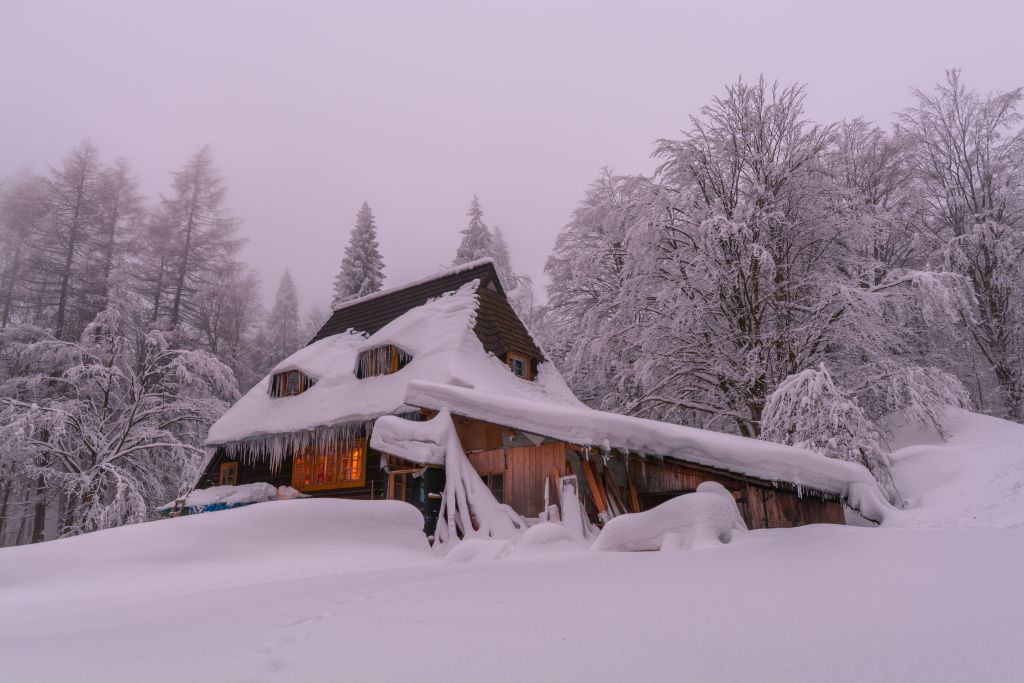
{"x": 528, "y": 466}
{"x": 761, "y": 504}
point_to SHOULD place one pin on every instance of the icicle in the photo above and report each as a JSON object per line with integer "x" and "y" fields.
{"x": 276, "y": 448}
{"x": 381, "y": 360}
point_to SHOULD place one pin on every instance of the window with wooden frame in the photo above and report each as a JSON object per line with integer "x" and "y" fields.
{"x": 496, "y": 483}
{"x": 289, "y": 383}
{"x": 334, "y": 466}
{"x": 228, "y": 475}
{"x": 520, "y": 364}
{"x": 382, "y": 360}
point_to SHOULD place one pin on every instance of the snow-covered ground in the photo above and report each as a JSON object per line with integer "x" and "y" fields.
{"x": 973, "y": 478}
{"x": 325, "y": 590}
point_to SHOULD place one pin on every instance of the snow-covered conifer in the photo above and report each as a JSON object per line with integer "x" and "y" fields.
{"x": 476, "y": 241}
{"x": 281, "y": 327}
{"x": 362, "y": 270}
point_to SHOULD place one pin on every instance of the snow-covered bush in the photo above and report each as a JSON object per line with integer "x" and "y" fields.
{"x": 808, "y": 410}
{"x": 111, "y": 425}
{"x": 693, "y": 520}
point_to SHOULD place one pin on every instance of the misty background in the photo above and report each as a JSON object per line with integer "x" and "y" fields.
{"x": 312, "y": 108}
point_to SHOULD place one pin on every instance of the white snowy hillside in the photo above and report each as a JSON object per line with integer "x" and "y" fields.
{"x": 972, "y": 478}
{"x": 438, "y": 335}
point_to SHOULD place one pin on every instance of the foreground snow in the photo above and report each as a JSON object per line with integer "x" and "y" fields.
{"x": 326, "y": 590}
{"x": 254, "y": 597}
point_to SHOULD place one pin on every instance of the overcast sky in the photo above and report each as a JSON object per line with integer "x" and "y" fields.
{"x": 312, "y": 108}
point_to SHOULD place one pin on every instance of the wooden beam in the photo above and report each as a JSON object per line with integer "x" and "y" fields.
{"x": 595, "y": 487}
{"x": 615, "y": 498}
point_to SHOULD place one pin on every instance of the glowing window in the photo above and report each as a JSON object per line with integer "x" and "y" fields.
{"x": 335, "y": 466}
{"x": 228, "y": 474}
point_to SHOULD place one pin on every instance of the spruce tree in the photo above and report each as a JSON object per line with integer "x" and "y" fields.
{"x": 362, "y": 270}
{"x": 282, "y": 325}
{"x": 502, "y": 259}
{"x": 476, "y": 238}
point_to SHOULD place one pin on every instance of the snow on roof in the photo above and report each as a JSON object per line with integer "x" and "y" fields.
{"x": 444, "y": 348}
{"x": 581, "y": 425}
{"x": 462, "y": 267}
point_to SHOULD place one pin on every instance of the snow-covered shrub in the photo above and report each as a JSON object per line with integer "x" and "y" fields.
{"x": 808, "y": 410}
{"x": 113, "y": 424}
{"x": 693, "y": 520}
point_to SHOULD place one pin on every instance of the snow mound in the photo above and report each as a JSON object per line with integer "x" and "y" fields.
{"x": 715, "y": 487}
{"x": 693, "y": 520}
{"x": 245, "y": 545}
{"x": 545, "y": 533}
{"x": 973, "y": 478}
{"x": 480, "y": 550}
{"x": 231, "y": 496}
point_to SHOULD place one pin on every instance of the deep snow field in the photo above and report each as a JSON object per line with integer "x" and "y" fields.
{"x": 280, "y": 591}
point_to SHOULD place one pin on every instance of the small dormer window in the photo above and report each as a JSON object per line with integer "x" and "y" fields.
{"x": 290, "y": 383}
{"x": 382, "y": 360}
{"x": 520, "y": 364}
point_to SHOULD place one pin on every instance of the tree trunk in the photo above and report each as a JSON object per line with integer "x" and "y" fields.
{"x": 65, "y": 279}
{"x": 190, "y": 225}
{"x": 11, "y": 277}
{"x": 39, "y": 517}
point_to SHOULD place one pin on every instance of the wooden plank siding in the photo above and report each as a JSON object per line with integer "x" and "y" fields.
{"x": 527, "y": 468}
{"x": 761, "y": 504}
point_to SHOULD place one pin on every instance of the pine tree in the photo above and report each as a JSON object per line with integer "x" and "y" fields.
{"x": 476, "y": 238}
{"x": 502, "y": 259}
{"x": 282, "y": 325}
{"x": 362, "y": 270}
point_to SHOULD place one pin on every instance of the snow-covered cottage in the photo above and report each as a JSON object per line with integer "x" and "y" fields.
{"x": 452, "y": 345}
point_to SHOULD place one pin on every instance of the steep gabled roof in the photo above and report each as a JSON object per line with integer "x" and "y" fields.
{"x": 370, "y": 313}
{"x": 441, "y": 339}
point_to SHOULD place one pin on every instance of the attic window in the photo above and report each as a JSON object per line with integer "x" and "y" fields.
{"x": 290, "y": 383}
{"x": 383, "y": 360}
{"x": 520, "y": 364}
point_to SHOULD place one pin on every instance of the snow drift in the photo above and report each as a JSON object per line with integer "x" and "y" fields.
{"x": 972, "y": 477}
{"x": 305, "y": 537}
{"x": 231, "y": 496}
{"x": 694, "y": 520}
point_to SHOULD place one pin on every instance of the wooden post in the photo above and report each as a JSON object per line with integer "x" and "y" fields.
{"x": 595, "y": 489}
